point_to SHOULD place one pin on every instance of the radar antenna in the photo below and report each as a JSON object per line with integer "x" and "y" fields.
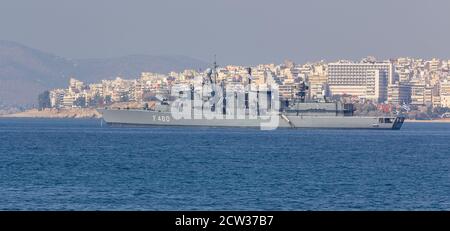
{"x": 303, "y": 87}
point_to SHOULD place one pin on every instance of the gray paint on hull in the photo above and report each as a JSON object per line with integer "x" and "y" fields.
{"x": 152, "y": 118}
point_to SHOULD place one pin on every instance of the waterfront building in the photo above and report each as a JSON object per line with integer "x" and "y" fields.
{"x": 368, "y": 80}
{"x": 56, "y": 98}
{"x": 68, "y": 100}
{"x": 444, "y": 93}
{"x": 445, "y": 101}
{"x": 428, "y": 95}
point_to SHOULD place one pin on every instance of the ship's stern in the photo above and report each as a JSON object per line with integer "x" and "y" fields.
{"x": 398, "y": 123}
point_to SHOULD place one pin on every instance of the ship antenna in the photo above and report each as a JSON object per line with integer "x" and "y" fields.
{"x": 215, "y": 63}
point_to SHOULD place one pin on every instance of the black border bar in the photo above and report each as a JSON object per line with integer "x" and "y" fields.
{"x": 246, "y": 220}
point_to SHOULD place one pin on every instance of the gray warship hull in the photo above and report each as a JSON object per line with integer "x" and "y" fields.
{"x": 130, "y": 117}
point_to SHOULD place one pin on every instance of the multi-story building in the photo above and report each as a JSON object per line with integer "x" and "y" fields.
{"x": 418, "y": 94}
{"x": 68, "y": 100}
{"x": 404, "y": 75}
{"x": 57, "y": 98}
{"x": 152, "y": 76}
{"x": 399, "y": 94}
{"x": 75, "y": 86}
{"x": 259, "y": 75}
{"x": 96, "y": 89}
{"x": 445, "y": 101}
{"x": 366, "y": 80}
{"x": 428, "y": 95}
{"x": 138, "y": 90}
{"x": 436, "y": 101}
{"x": 444, "y": 88}
{"x": 317, "y": 86}
{"x": 435, "y": 65}
{"x": 444, "y": 93}
{"x": 287, "y": 90}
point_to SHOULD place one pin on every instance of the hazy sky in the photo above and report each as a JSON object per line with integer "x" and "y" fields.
{"x": 237, "y": 31}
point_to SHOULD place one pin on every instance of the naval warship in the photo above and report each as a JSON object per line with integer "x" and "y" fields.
{"x": 259, "y": 107}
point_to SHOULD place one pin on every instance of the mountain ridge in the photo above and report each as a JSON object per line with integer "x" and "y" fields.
{"x": 25, "y": 71}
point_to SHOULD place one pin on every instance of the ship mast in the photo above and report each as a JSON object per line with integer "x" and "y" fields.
{"x": 302, "y": 91}
{"x": 215, "y": 66}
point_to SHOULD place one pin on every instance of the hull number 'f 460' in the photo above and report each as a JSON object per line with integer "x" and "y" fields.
{"x": 161, "y": 118}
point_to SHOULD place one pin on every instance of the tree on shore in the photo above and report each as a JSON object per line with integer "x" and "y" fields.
{"x": 44, "y": 100}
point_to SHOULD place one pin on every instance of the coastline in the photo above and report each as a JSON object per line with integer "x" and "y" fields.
{"x": 51, "y": 113}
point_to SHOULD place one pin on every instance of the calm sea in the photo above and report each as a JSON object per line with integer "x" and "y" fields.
{"x": 79, "y": 165}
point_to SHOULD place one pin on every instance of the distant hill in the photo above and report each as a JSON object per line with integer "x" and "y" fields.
{"x": 133, "y": 65}
{"x": 25, "y": 72}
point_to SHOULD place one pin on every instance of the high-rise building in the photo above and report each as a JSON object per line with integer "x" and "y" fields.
{"x": 366, "y": 80}
{"x": 137, "y": 90}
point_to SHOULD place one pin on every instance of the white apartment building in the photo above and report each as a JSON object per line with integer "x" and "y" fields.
{"x": 317, "y": 86}
{"x": 68, "y": 100}
{"x": 399, "y": 94}
{"x": 57, "y": 98}
{"x": 418, "y": 94}
{"x": 287, "y": 90}
{"x": 435, "y": 65}
{"x": 445, "y": 101}
{"x": 75, "y": 86}
{"x": 444, "y": 92}
{"x": 364, "y": 80}
{"x": 404, "y": 75}
{"x": 428, "y": 96}
{"x": 444, "y": 88}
